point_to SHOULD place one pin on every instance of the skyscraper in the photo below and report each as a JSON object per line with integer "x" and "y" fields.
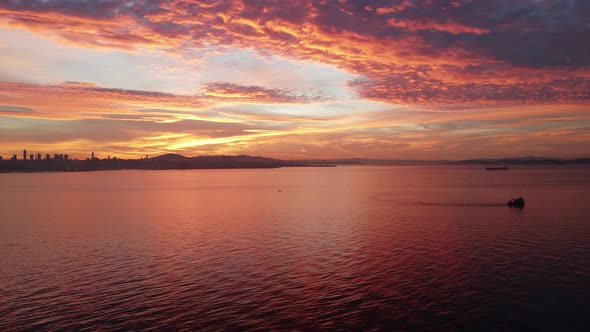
{"x": 25, "y": 154}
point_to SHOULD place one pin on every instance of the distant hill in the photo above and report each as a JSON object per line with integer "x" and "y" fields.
{"x": 169, "y": 157}
{"x": 522, "y": 161}
{"x": 363, "y": 161}
{"x": 393, "y": 162}
{"x": 176, "y": 161}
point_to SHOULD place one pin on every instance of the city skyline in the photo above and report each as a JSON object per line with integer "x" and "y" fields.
{"x": 296, "y": 79}
{"x": 36, "y": 155}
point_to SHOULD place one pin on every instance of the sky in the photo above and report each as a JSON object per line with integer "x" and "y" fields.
{"x": 289, "y": 79}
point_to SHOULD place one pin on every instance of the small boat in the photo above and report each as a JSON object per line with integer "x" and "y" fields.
{"x": 497, "y": 168}
{"x": 516, "y": 202}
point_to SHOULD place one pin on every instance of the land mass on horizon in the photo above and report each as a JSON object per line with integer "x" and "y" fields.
{"x": 177, "y": 161}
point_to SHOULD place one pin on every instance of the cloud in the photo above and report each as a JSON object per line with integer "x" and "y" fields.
{"x": 466, "y": 77}
{"x": 15, "y": 109}
{"x": 411, "y": 88}
{"x": 400, "y": 133}
{"x": 373, "y": 39}
{"x": 73, "y": 100}
{"x": 223, "y": 90}
{"x": 115, "y": 130}
{"x": 424, "y": 25}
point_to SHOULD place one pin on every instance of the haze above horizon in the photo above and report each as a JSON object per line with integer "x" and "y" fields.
{"x": 422, "y": 80}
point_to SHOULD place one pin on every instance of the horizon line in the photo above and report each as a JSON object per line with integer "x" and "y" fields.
{"x": 93, "y": 155}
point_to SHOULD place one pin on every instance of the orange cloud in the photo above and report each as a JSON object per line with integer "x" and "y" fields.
{"x": 122, "y": 33}
{"x": 72, "y": 100}
{"x": 445, "y": 46}
{"x": 393, "y": 9}
{"x": 454, "y": 28}
{"x": 242, "y": 93}
{"x": 77, "y": 99}
{"x": 470, "y": 78}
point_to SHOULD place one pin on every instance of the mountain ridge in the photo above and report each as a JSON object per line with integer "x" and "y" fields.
{"x": 177, "y": 161}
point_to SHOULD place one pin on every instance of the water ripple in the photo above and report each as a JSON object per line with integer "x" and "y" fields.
{"x": 338, "y": 249}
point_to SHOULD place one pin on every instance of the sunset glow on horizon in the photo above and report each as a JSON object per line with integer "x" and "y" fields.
{"x": 296, "y": 79}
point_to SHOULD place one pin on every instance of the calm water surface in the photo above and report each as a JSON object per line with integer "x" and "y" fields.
{"x": 353, "y": 248}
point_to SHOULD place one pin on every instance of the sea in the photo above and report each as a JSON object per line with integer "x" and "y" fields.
{"x": 351, "y": 248}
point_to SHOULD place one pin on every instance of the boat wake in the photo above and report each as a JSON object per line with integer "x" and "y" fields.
{"x": 460, "y": 204}
{"x": 394, "y": 198}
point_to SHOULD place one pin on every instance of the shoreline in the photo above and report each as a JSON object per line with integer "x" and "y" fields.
{"x": 475, "y": 166}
